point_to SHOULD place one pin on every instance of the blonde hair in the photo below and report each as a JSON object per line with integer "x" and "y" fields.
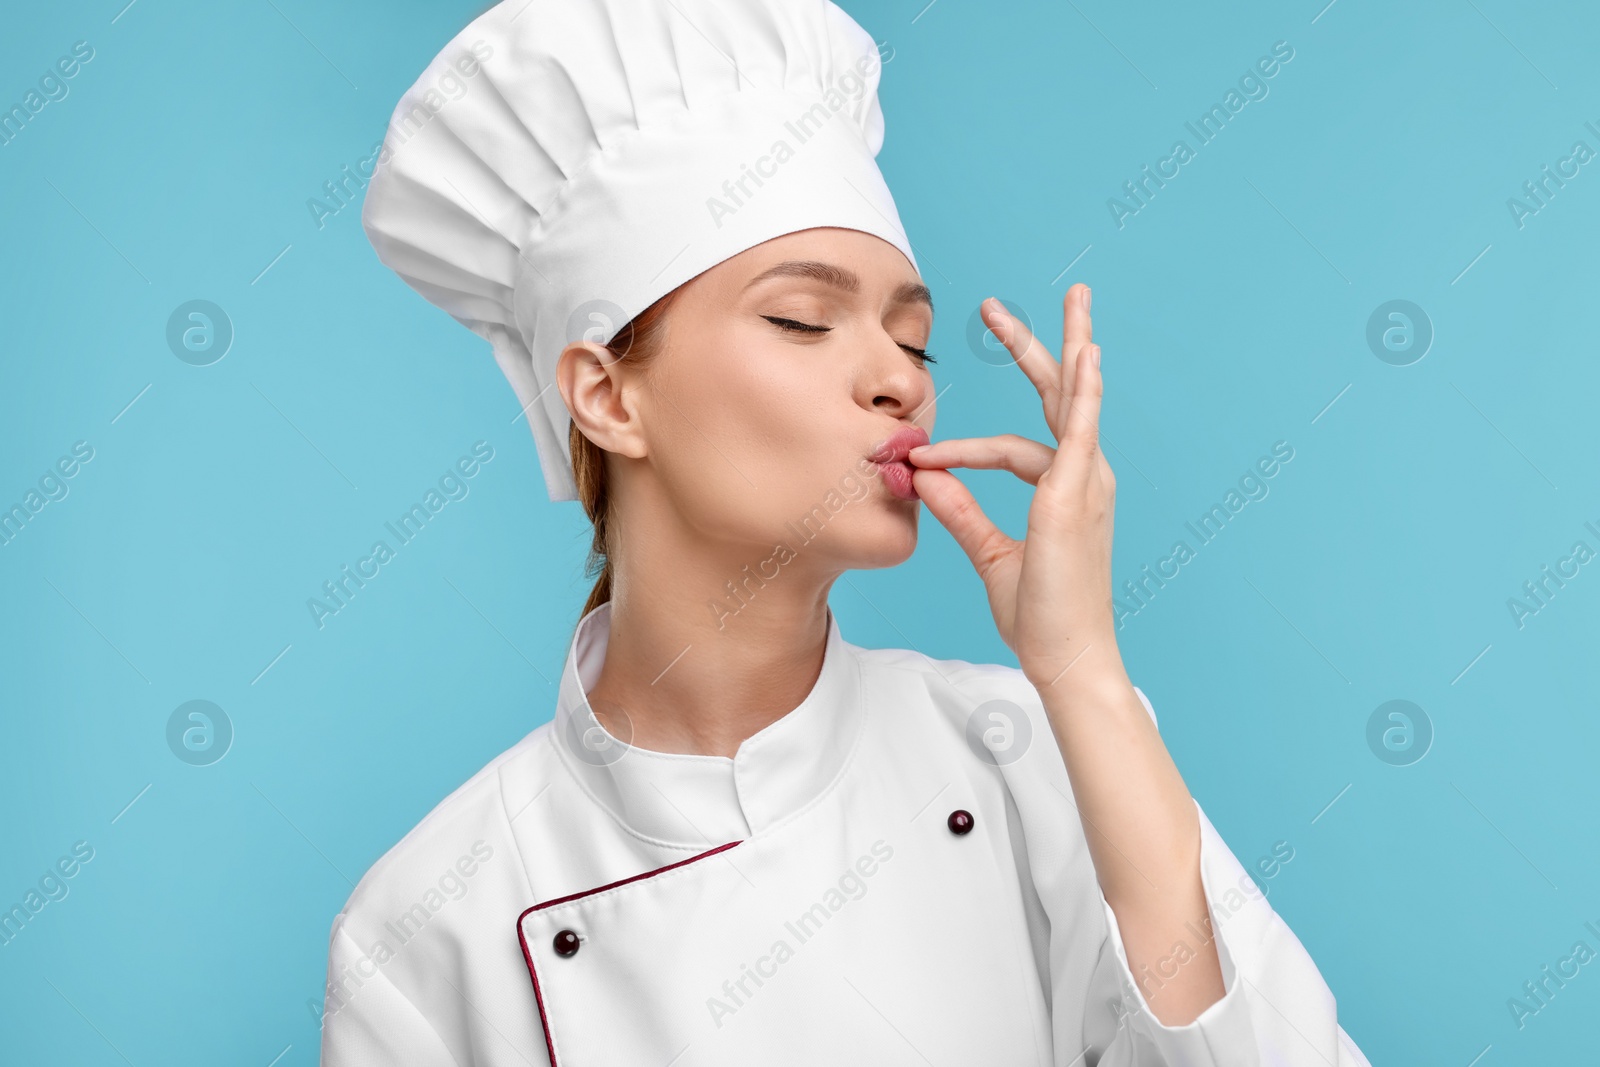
{"x": 635, "y": 345}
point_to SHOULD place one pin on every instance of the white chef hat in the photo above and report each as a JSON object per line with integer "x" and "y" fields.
{"x": 563, "y": 164}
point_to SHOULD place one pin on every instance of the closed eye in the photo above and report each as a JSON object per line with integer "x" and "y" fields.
{"x": 805, "y": 327}
{"x": 799, "y": 327}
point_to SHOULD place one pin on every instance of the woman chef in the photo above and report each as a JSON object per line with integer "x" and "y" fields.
{"x": 742, "y": 839}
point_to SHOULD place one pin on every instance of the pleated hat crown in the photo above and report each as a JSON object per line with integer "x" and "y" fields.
{"x": 563, "y": 164}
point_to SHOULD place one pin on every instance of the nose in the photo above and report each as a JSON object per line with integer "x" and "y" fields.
{"x": 897, "y": 386}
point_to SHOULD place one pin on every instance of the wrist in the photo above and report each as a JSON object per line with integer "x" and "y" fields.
{"x": 1102, "y": 697}
{"x": 1096, "y": 668}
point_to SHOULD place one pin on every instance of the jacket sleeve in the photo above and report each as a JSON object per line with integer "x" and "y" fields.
{"x": 1276, "y": 1010}
{"x": 366, "y": 1020}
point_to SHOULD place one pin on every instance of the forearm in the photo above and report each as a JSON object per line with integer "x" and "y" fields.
{"x": 1143, "y": 832}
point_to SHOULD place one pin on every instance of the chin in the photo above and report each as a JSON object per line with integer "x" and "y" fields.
{"x": 882, "y": 534}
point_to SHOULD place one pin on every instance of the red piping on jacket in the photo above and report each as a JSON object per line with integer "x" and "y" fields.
{"x": 538, "y": 996}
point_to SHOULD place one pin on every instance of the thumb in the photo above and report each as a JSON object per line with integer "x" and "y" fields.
{"x": 952, "y": 503}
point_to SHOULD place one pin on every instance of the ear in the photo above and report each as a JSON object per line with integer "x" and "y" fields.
{"x": 600, "y": 392}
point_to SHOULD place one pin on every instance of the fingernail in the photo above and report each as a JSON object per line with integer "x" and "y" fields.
{"x": 996, "y": 309}
{"x": 1088, "y": 295}
{"x": 919, "y": 448}
{"x": 1096, "y": 353}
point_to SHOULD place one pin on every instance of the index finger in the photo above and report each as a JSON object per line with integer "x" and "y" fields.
{"x": 1025, "y": 458}
{"x": 1034, "y": 358}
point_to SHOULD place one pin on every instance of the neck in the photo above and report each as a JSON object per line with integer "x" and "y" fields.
{"x": 690, "y": 669}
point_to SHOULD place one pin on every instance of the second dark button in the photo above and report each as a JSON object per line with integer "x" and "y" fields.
{"x": 960, "y": 821}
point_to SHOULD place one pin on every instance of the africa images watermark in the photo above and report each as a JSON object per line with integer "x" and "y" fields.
{"x": 1140, "y": 191}
{"x": 52, "y": 886}
{"x": 739, "y": 593}
{"x": 1538, "y": 592}
{"x": 53, "y": 486}
{"x": 1537, "y": 995}
{"x": 1229, "y": 903}
{"x": 452, "y": 884}
{"x": 346, "y": 189}
{"x": 452, "y": 485}
{"x": 1540, "y": 191}
{"x": 850, "y": 885}
{"x": 53, "y": 88}
{"x": 852, "y": 85}
{"x": 1252, "y": 486}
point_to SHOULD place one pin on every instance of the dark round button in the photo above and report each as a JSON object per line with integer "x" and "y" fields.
{"x": 566, "y": 943}
{"x": 960, "y": 821}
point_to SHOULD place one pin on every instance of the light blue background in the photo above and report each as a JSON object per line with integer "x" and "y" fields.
{"x": 1232, "y": 310}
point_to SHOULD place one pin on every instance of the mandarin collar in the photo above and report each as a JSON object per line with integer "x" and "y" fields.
{"x": 701, "y": 800}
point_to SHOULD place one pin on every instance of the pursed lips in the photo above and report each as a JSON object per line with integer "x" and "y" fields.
{"x": 895, "y": 448}
{"x": 890, "y": 456}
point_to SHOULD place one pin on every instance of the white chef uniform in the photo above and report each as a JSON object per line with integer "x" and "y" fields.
{"x": 862, "y": 883}
{"x": 894, "y": 872}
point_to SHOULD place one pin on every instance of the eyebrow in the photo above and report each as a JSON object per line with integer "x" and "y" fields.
{"x": 840, "y": 278}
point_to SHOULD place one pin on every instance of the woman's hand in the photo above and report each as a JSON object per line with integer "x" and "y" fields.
{"x": 1050, "y": 592}
{"x": 1051, "y": 598}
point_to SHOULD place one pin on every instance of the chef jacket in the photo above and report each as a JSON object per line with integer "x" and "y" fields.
{"x": 894, "y": 872}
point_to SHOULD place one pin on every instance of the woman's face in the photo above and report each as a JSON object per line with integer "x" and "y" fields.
{"x": 784, "y": 368}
